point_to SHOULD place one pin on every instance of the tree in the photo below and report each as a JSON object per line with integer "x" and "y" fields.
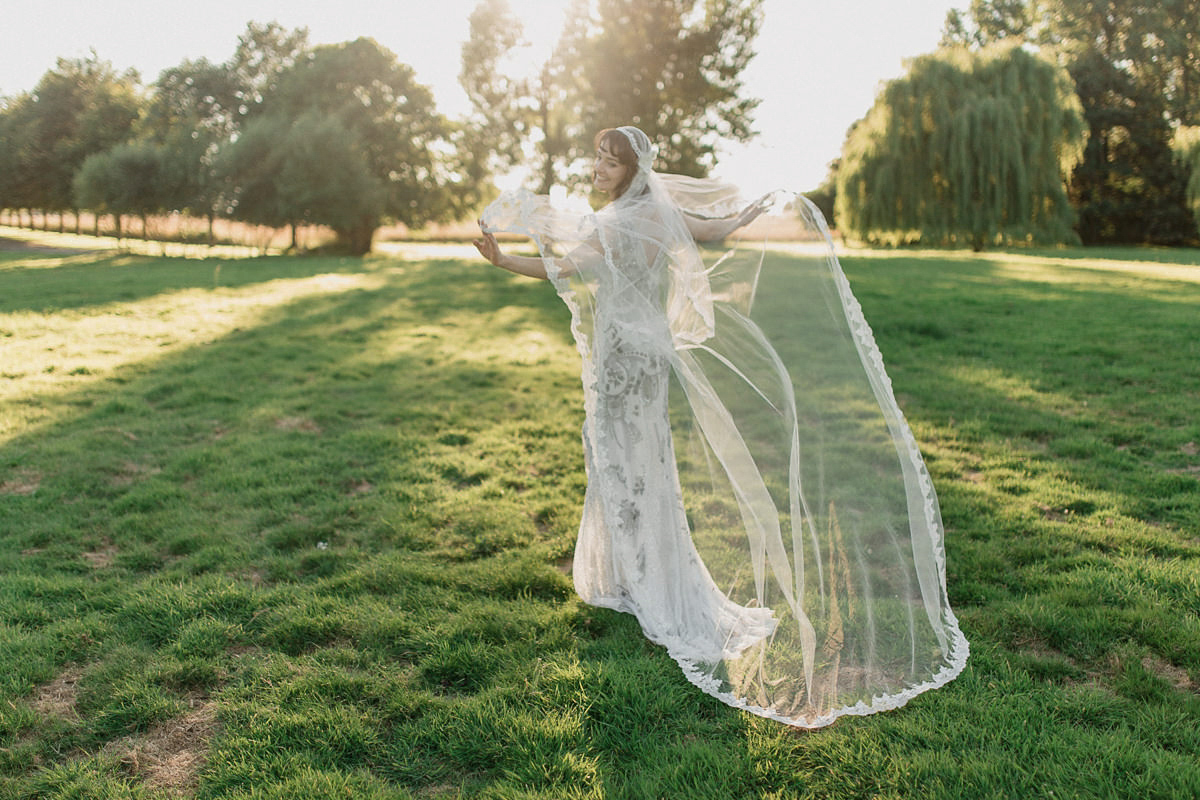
{"x": 327, "y": 181}
{"x": 79, "y": 108}
{"x": 385, "y": 126}
{"x": 247, "y": 171}
{"x": 1157, "y": 43}
{"x": 284, "y": 172}
{"x": 987, "y": 22}
{"x": 967, "y": 147}
{"x": 263, "y": 55}
{"x": 824, "y": 197}
{"x": 1174, "y": 70}
{"x": 1128, "y": 188}
{"x": 672, "y": 67}
{"x": 191, "y": 111}
{"x": 131, "y": 178}
{"x": 1135, "y": 65}
{"x": 1113, "y": 28}
{"x": 500, "y": 100}
{"x": 18, "y": 183}
{"x": 197, "y": 106}
{"x": 514, "y": 110}
{"x": 194, "y": 99}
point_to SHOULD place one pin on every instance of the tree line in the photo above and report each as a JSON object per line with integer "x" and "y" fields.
{"x": 286, "y": 133}
{"x": 1035, "y": 121}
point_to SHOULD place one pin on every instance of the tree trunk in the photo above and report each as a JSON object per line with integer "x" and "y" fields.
{"x": 548, "y": 155}
{"x": 1185, "y": 87}
{"x": 356, "y": 241}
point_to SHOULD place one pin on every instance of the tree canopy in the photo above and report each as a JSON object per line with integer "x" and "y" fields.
{"x": 1128, "y": 186}
{"x": 130, "y": 178}
{"x": 671, "y": 67}
{"x": 344, "y": 138}
{"x": 1136, "y": 68}
{"x": 281, "y": 133}
{"x": 81, "y": 107}
{"x": 342, "y": 135}
{"x": 974, "y": 145}
{"x": 968, "y": 147}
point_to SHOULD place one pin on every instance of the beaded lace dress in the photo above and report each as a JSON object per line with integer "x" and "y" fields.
{"x": 755, "y": 497}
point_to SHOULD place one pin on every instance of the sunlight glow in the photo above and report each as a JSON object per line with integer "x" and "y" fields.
{"x": 817, "y": 70}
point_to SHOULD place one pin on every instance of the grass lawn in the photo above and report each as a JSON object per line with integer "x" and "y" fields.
{"x": 297, "y": 527}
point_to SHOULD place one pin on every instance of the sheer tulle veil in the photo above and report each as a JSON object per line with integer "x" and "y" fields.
{"x": 792, "y": 480}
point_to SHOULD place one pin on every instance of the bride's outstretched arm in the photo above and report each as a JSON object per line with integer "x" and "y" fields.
{"x": 712, "y": 230}
{"x": 489, "y": 248}
{"x": 531, "y": 266}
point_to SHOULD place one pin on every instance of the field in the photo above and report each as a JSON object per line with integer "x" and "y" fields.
{"x": 299, "y": 528}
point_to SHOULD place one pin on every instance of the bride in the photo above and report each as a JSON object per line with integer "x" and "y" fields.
{"x": 754, "y": 495}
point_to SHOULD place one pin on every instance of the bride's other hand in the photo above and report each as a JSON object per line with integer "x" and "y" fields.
{"x": 752, "y": 211}
{"x": 487, "y": 246}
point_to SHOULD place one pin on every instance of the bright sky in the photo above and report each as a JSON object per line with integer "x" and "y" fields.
{"x": 818, "y": 67}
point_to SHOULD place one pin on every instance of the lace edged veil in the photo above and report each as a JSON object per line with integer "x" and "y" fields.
{"x": 804, "y": 490}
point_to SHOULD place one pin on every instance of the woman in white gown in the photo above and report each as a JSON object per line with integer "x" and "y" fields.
{"x": 754, "y": 497}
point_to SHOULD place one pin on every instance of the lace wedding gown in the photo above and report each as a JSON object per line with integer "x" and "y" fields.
{"x": 635, "y": 550}
{"x": 755, "y": 497}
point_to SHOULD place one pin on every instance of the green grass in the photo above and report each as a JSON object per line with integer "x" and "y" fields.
{"x": 283, "y": 527}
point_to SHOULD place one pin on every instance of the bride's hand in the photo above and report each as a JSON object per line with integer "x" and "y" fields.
{"x": 752, "y": 211}
{"x": 488, "y": 247}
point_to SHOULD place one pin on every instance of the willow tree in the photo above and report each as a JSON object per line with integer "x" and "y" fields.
{"x": 968, "y": 147}
{"x": 1136, "y": 67}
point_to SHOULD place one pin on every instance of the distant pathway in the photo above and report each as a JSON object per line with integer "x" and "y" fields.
{"x": 53, "y": 243}
{"x": 12, "y": 244}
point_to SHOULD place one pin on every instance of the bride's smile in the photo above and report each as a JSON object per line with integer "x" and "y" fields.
{"x": 607, "y": 171}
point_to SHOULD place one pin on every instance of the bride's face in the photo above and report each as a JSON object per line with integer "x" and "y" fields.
{"x": 607, "y": 172}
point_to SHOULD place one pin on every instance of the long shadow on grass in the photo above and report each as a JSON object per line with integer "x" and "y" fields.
{"x": 359, "y": 471}
{"x": 359, "y": 420}
{"x": 53, "y": 281}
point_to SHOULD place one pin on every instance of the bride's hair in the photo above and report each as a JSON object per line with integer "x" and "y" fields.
{"x": 618, "y": 144}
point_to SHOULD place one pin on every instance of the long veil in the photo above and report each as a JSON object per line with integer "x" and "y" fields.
{"x": 804, "y": 491}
